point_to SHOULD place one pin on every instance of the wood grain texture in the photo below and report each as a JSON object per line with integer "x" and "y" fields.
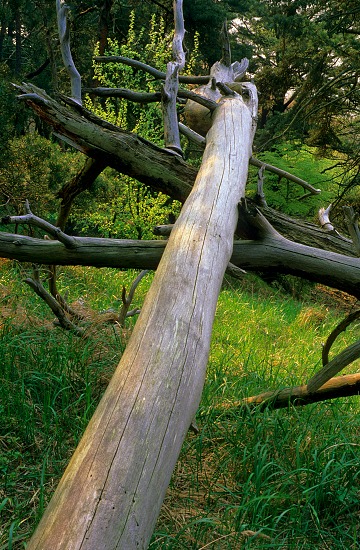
{"x": 113, "y": 488}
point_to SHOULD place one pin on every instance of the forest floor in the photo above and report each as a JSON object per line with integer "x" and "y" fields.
{"x": 285, "y": 479}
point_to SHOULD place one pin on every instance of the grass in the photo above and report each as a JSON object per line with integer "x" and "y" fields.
{"x": 272, "y": 479}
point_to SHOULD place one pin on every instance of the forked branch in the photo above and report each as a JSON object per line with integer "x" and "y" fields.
{"x": 55, "y": 307}
{"x": 128, "y": 298}
{"x": 30, "y": 219}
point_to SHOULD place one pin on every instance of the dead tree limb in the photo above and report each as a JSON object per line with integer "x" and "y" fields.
{"x": 335, "y": 333}
{"x": 283, "y": 174}
{"x": 160, "y": 169}
{"x": 201, "y": 141}
{"x": 30, "y": 219}
{"x": 275, "y": 255}
{"x": 260, "y": 195}
{"x": 128, "y": 153}
{"x": 171, "y": 86}
{"x": 352, "y": 221}
{"x": 83, "y": 180}
{"x": 158, "y": 75}
{"x": 324, "y": 219}
{"x": 127, "y": 299}
{"x": 64, "y": 35}
{"x": 340, "y": 386}
{"x": 145, "y": 97}
{"x": 344, "y": 358}
{"x": 55, "y": 307}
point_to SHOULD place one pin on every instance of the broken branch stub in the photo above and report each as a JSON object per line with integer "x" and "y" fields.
{"x": 198, "y": 117}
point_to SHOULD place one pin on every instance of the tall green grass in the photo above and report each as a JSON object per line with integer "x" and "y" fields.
{"x": 250, "y": 479}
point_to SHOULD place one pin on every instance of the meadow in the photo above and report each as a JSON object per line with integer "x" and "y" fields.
{"x": 285, "y": 479}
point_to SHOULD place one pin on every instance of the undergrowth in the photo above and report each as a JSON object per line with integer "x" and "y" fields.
{"x": 249, "y": 479}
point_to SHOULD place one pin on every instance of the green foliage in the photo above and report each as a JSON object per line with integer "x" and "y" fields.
{"x": 34, "y": 169}
{"x": 304, "y": 162}
{"x": 52, "y": 381}
{"x": 126, "y": 208}
{"x": 291, "y": 475}
{"x": 305, "y": 64}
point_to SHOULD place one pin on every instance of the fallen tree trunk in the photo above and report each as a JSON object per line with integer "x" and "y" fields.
{"x": 117, "y": 478}
{"x": 159, "y": 168}
{"x": 125, "y": 151}
{"x": 274, "y": 255}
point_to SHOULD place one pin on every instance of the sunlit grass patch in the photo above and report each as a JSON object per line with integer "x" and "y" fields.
{"x": 249, "y": 479}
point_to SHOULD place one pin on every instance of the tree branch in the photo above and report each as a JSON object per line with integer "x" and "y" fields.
{"x": 335, "y": 333}
{"x": 64, "y": 35}
{"x": 275, "y": 254}
{"x": 145, "y": 97}
{"x": 347, "y": 356}
{"x": 156, "y": 167}
{"x": 283, "y": 174}
{"x": 353, "y": 227}
{"x": 54, "y": 306}
{"x": 201, "y": 141}
{"x": 128, "y": 153}
{"x": 170, "y": 88}
{"x": 31, "y": 219}
{"x": 127, "y": 299}
{"x": 159, "y": 75}
{"x": 341, "y": 386}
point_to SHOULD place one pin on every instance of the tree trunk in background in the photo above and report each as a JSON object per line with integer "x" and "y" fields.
{"x": 111, "y": 493}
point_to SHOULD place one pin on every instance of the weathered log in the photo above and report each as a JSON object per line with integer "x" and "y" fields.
{"x": 128, "y": 153}
{"x": 160, "y": 169}
{"x": 117, "y": 478}
{"x": 340, "y": 386}
{"x": 271, "y": 255}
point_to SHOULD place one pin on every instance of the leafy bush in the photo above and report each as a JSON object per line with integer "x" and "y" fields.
{"x": 34, "y": 170}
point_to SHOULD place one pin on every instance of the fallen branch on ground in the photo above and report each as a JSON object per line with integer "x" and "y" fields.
{"x": 340, "y": 386}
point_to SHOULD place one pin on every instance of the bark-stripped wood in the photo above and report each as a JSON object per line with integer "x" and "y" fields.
{"x": 128, "y": 153}
{"x": 272, "y": 254}
{"x": 171, "y": 86}
{"x": 64, "y": 35}
{"x": 112, "y": 490}
{"x": 162, "y": 170}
